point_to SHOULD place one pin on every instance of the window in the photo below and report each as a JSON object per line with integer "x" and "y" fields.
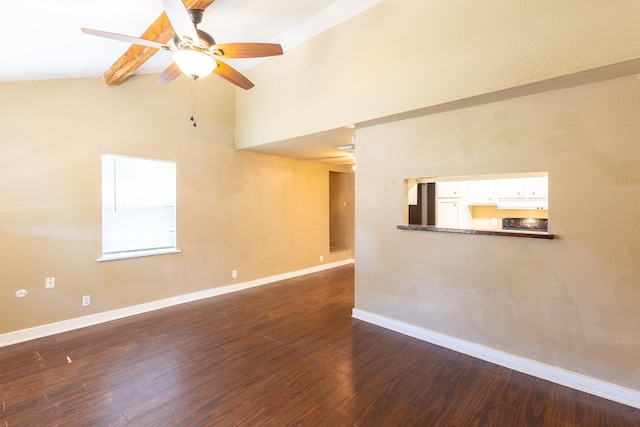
{"x": 138, "y": 207}
{"x": 499, "y": 204}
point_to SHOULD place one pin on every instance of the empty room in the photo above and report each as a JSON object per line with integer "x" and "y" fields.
{"x": 331, "y": 213}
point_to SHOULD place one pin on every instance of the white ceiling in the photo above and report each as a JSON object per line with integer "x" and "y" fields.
{"x": 42, "y": 40}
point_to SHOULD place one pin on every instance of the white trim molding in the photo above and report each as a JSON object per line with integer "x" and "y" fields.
{"x": 554, "y": 374}
{"x": 107, "y": 316}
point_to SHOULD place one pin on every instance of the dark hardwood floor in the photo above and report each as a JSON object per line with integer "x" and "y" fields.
{"x": 284, "y": 354}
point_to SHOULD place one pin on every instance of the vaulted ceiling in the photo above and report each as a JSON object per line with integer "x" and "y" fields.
{"x": 43, "y": 38}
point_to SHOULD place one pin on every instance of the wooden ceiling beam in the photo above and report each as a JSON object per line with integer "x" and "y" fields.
{"x": 160, "y": 31}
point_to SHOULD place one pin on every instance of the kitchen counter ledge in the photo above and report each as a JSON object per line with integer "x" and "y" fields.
{"x": 509, "y": 233}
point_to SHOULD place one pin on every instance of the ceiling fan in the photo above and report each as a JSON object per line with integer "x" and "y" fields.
{"x": 195, "y": 53}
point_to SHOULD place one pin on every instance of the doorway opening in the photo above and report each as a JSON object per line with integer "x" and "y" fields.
{"x": 341, "y": 211}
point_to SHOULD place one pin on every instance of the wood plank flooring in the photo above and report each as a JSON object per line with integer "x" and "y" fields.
{"x": 283, "y": 354}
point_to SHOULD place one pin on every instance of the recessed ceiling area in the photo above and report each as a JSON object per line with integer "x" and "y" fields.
{"x": 319, "y": 147}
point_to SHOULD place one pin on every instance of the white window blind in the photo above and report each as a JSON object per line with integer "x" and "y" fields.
{"x": 138, "y": 207}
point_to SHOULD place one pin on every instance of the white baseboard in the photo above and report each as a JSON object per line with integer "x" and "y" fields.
{"x": 554, "y": 374}
{"x": 107, "y": 316}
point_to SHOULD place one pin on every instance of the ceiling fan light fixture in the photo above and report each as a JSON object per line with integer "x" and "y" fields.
{"x": 193, "y": 63}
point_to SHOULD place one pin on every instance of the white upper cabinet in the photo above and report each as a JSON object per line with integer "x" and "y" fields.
{"x": 524, "y": 188}
{"x": 449, "y": 189}
{"x": 524, "y": 193}
{"x": 537, "y": 188}
{"x": 512, "y": 188}
{"x": 482, "y": 192}
{"x": 510, "y": 193}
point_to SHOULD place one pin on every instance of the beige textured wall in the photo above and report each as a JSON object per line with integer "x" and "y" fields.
{"x": 260, "y": 215}
{"x": 575, "y": 303}
{"x": 571, "y": 302}
{"x": 402, "y": 55}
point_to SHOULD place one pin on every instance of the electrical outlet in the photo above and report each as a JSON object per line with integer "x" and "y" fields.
{"x": 494, "y": 221}
{"x": 86, "y": 300}
{"x": 321, "y": 258}
{"x": 21, "y": 293}
{"x": 50, "y": 282}
{"x": 234, "y": 274}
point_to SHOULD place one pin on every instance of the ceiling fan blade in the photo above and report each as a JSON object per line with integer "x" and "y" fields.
{"x": 231, "y": 74}
{"x": 246, "y": 50}
{"x": 180, "y": 20}
{"x": 170, "y": 73}
{"x": 160, "y": 30}
{"x": 126, "y": 39}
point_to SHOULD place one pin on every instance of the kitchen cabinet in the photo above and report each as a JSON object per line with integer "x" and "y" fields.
{"x": 452, "y": 210}
{"x": 524, "y": 188}
{"x": 524, "y": 193}
{"x": 452, "y": 214}
{"x": 475, "y": 202}
{"x": 449, "y": 189}
{"x": 512, "y": 188}
{"x": 537, "y": 188}
{"x": 482, "y": 192}
{"x": 447, "y": 214}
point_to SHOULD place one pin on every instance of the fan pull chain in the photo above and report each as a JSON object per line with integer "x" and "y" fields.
{"x": 193, "y": 109}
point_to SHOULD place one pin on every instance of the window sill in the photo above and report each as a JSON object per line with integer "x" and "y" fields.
{"x": 508, "y": 233}
{"x": 138, "y": 254}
